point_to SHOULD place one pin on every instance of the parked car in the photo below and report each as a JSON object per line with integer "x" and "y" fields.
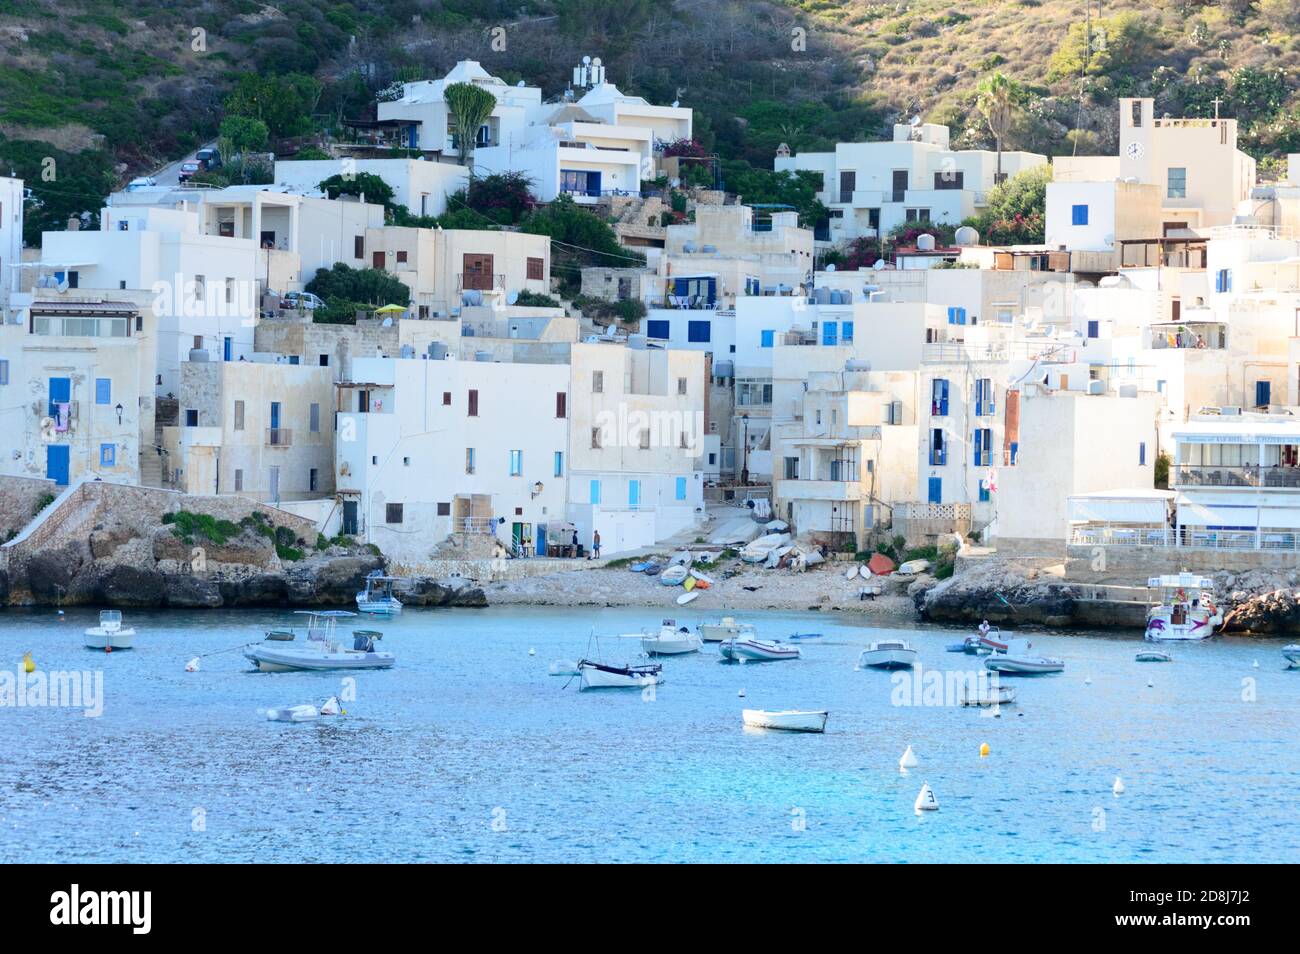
{"x": 209, "y": 158}
{"x": 188, "y": 170}
{"x": 296, "y": 299}
{"x": 143, "y": 182}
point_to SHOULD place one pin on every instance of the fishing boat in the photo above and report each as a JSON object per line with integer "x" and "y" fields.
{"x": 674, "y": 575}
{"x": 110, "y": 634}
{"x": 597, "y": 675}
{"x": 1019, "y": 661}
{"x": 738, "y": 649}
{"x": 789, "y": 720}
{"x": 1292, "y": 655}
{"x": 671, "y": 640}
{"x": 725, "y": 628}
{"x": 1182, "y": 608}
{"x": 377, "y": 598}
{"x": 987, "y": 695}
{"x": 1153, "y": 655}
{"x": 888, "y": 654}
{"x": 321, "y": 650}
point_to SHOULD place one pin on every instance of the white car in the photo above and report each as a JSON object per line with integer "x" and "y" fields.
{"x": 143, "y": 182}
{"x": 295, "y": 299}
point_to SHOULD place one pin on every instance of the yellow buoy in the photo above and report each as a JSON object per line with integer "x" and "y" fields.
{"x": 29, "y": 665}
{"x": 984, "y": 749}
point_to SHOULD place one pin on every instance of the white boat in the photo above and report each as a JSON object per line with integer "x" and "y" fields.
{"x": 913, "y": 567}
{"x": 888, "y": 654}
{"x": 1019, "y": 660}
{"x": 302, "y": 713}
{"x": 987, "y": 695}
{"x": 596, "y": 675}
{"x": 791, "y": 720}
{"x": 110, "y": 634}
{"x": 1292, "y": 654}
{"x": 671, "y": 640}
{"x": 1183, "y": 609}
{"x": 321, "y": 650}
{"x": 1153, "y": 655}
{"x": 757, "y": 551}
{"x": 738, "y": 649}
{"x": 377, "y": 598}
{"x": 988, "y": 640}
{"x": 725, "y": 628}
{"x": 673, "y": 575}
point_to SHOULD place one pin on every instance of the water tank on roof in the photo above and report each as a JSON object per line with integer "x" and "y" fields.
{"x": 709, "y": 249}
{"x": 925, "y": 242}
{"x": 857, "y": 364}
{"x": 688, "y": 247}
{"x": 408, "y": 351}
{"x": 822, "y": 296}
{"x": 966, "y": 236}
{"x": 724, "y": 369}
{"x": 198, "y": 354}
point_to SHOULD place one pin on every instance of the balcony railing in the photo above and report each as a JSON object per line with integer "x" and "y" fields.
{"x": 1187, "y": 538}
{"x": 1246, "y": 475}
{"x": 479, "y": 281}
{"x": 279, "y": 437}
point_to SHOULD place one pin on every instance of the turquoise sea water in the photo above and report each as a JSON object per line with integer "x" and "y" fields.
{"x": 469, "y": 751}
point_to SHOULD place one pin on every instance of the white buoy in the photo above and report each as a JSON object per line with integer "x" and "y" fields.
{"x": 192, "y": 665}
{"x": 1150, "y": 683}
{"x": 908, "y": 760}
{"x": 1256, "y": 664}
{"x": 925, "y": 800}
{"x": 1118, "y": 787}
{"x": 331, "y": 707}
{"x": 532, "y": 652}
{"x": 1087, "y": 680}
{"x": 741, "y": 693}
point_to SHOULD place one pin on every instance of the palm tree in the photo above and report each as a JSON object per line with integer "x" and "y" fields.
{"x": 997, "y": 99}
{"x": 470, "y": 107}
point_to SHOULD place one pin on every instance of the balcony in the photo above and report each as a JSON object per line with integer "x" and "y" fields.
{"x": 843, "y": 490}
{"x": 478, "y": 281}
{"x": 1246, "y": 475}
{"x": 279, "y": 437}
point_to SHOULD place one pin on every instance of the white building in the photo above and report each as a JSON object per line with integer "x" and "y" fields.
{"x": 426, "y": 449}
{"x": 11, "y": 234}
{"x": 422, "y": 186}
{"x": 872, "y": 187}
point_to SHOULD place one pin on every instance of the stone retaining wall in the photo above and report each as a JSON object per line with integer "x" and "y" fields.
{"x": 1132, "y": 566}
{"x": 18, "y": 499}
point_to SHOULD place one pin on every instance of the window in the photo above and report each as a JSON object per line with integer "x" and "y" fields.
{"x": 469, "y": 460}
{"x": 681, "y": 385}
{"x": 516, "y": 463}
{"x": 792, "y": 468}
{"x": 593, "y": 490}
{"x": 314, "y": 427}
{"x": 956, "y": 316}
{"x": 311, "y": 479}
{"x": 949, "y": 179}
{"x": 1142, "y": 453}
{"x": 107, "y": 455}
{"x": 103, "y": 391}
{"x": 644, "y": 441}
{"x": 535, "y": 270}
{"x": 983, "y": 446}
{"x": 846, "y": 331}
{"x": 1223, "y": 280}
{"x": 1177, "y": 183}
{"x": 191, "y": 417}
{"x": 699, "y": 331}
{"x": 848, "y": 184}
{"x": 401, "y": 256}
{"x": 766, "y": 338}
{"x": 4, "y": 370}
{"x": 984, "y": 491}
{"x": 444, "y": 508}
{"x": 1078, "y": 215}
{"x": 406, "y": 462}
{"x": 657, "y": 328}
{"x": 595, "y": 438}
{"x": 681, "y": 488}
{"x": 446, "y": 398}
{"x": 597, "y": 385}
{"x": 392, "y": 513}
{"x": 1094, "y": 329}
{"x": 324, "y": 361}
{"x": 984, "y": 397}
{"x": 559, "y": 463}
{"x": 938, "y": 457}
{"x": 830, "y": 333}
{"x": 580, "y": 182}
{"x": 939, "y": 397}
{"x": 918, "y": 215}
{"x": 561, "y": 404}
{"x": 473, "y": 403}
{"x": 239, "y": 480}
{"x": 239, "y": 415}
{"x": 359, "y": 246}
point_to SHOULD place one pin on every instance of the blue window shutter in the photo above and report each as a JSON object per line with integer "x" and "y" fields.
{"x": 657, "y": 328}
{"x": 979, "y": 445}
{"x": 765, "y": 338}
{"x": 1263, "y": 393}
{"x": 107, "y": 455}
{"x": 699, "y": 331}
{"x": 595, "y": 491}
{"x": 830, "y": 332}
{"x": 1079, "y": 215}
{"x": 681, "y": 488}
{"x": 846, "y": 330}
{"x": 952, "y": 315}
{"x": 103, "y": 391}
{"x": 4, "y": 370}
{"x": 1142, "y": 453}
{"x": 1094, "y": 329}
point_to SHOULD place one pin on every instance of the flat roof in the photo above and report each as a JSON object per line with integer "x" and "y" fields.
{"x": 1237, "y": 430}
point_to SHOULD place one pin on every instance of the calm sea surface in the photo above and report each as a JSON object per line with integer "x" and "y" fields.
{"x": 469, "y": 751}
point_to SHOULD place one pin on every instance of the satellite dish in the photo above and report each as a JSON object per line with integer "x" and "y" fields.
{"x": 386, "y": 323}
{"x": 512, "y": 298}
{"x": 879, "y": 264}
{"x": 830, "y": 267}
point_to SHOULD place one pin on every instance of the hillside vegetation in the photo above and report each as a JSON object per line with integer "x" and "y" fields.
{"x": 93, "y": 91}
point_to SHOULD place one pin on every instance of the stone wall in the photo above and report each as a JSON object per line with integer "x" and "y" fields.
{"x": 18, "y": 499}
{"x": 1132, "y": 566}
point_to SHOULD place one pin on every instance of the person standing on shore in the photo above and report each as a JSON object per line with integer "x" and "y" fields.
{"x": 595, "y": 545}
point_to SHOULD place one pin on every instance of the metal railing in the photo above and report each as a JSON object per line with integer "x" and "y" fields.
{"x": 1245, "y": 475}
{"x": 1187, "y": 538}
{"x": 279, "y": 436}
{"x": 478, "y": 281}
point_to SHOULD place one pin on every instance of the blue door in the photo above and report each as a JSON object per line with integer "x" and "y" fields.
{"x": 634, "y": 494}
{"x": 1263, "y": 393}
{"x": 275, "y": 415}
{"x": 56, "y": 463}
{"x": 936, "y": 490}
{"x": 227, "y": 349}
{"x": 541, "y": 539}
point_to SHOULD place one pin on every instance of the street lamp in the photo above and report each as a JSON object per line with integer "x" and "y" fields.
{"x": 744, "y": 450}
{"x": 119, "y": 412}
{"x": 537, "y": 489}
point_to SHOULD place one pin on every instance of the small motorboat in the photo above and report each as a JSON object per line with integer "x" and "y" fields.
{"x": 789, "y": 720}
{"x": 110, "y": 634}
{"x": 641, "y": 566}
{"x": 738, "y": 649}
{"x": 671, "y": 640}
{"x": 987, "y": 695}
{"x": 913, "y": 567}
{"x": 281, "y": 635}
{"x": 725, "y": 628}
{"x": 1019, "y": 661}
{"x": 321, "y": 650}
{"x": 377, "y": 598}
{"x": 888, "y": 654}
{"x": 1292, "y": 655}
{"x": 1184, "y": 609}
{"x": 674, "y": 575}
{"x": 596, "y": 675}
{"x": 1153, "y": 655}
{"x": 798, "y": 636}
{"x": 989, "y": 640}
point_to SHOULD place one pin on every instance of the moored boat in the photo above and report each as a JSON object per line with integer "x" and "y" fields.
{"x": 725, "y": 628}
{"x": 671, "y": 640}
{"x": 1153, "y": 655}
{"x": 597, "y": 675}
{"x": 1018, "y": 660}
{"x": 789, "y": 720}
{"x": 1184, "y": 608}
{"x": 321, "y": 651}
{"x": 377, "y": 598}
{"x": 110, "y": 634}
{"x": 987, "y": 695}
{"x": 738, "y": 649}
{"x": 888, "y": 654}
{"x": 1292, "y": 655}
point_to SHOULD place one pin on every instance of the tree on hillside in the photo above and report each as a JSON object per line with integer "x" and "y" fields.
{"x": 347, "y": 290}
{"x": 375, "y": 189}
{"x": 241, "y": 134}
{"x": 997, "y": 99}
{"x": 1016, "y": 210}
{"x": 470, "y": 107}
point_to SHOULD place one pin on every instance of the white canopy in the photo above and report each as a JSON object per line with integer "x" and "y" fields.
{"x": 1121, "y": 506}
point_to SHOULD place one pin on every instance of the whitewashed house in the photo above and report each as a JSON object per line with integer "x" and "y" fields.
{"x": 11, "y": 235}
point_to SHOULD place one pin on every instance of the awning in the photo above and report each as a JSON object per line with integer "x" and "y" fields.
{"x": 1216, "y": 515}
{"x": 1089, "y": 508}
